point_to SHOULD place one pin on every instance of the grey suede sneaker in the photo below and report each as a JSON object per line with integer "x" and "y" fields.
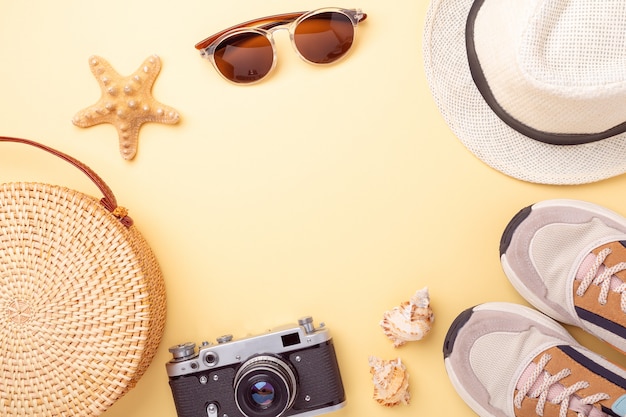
{"x": 507, "y": 360}
{"x": 568, "y": 259}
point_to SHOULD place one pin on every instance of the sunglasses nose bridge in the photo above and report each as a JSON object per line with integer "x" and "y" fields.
{"x": 277, "y": 29}
{"x": 288, "y": 28}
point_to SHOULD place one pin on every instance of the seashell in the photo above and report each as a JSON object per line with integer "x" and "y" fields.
{"x": 391, "y": 381}
{"x": 410, "y": 321}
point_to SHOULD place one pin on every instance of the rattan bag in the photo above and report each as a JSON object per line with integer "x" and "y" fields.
{"x": 82, "y": 299}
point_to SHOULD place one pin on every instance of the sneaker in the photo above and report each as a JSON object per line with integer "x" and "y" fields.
{"x": 568, "y": 259}
{"x": 507, "y": 360}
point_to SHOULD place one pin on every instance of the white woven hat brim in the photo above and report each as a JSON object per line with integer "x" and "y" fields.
{"x": 483, "y": 132}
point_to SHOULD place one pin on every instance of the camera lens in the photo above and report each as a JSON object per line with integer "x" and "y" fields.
{"x": 265, "y": 386}
{"x": 262, "y": 394}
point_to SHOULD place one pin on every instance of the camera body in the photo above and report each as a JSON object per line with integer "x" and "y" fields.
{"x": 291, "y": 370}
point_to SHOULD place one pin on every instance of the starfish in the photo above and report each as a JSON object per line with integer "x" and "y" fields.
{"x": 126, "y": 102}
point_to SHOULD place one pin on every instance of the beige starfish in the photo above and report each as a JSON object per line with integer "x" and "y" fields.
{"x": 126, "y": 102}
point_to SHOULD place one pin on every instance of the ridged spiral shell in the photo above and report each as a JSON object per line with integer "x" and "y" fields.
{"x": 391, "y": 381}
{"x": 410, "y": 321}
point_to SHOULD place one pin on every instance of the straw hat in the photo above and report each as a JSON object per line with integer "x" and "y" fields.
{"x": 534, "y": 88}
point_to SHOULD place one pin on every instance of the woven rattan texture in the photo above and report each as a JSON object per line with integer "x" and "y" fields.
{"x": 82, "y": 303}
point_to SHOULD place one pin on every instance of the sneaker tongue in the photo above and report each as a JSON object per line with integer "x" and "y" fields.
{"x": 555, "y": 390}
{"x": 587, "y": 264}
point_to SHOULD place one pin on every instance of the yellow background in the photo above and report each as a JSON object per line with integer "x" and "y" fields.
{"x": 334, "y": 192}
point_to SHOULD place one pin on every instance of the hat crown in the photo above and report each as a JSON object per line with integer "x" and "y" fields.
{"x": 553, "y": 70}
{"x": 576, "y": 43}
{"x": 481, "y": 52}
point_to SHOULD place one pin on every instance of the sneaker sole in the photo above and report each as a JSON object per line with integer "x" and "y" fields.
{"x": 464, "y": 317}
{"x": 512, "y": 226}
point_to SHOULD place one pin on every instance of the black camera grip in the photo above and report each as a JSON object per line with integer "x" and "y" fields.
{"x": 191, "y": 396}
{"x": 323, "y": 384}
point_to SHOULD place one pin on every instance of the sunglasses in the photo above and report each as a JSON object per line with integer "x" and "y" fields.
{"x": 245, "y": 53}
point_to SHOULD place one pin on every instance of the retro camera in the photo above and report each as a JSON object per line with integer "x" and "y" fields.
{"x": 289, "y": 371}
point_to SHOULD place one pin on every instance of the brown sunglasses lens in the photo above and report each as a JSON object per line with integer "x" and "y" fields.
{"x": 245, "y": 57}
{"x": 324, "y": 37}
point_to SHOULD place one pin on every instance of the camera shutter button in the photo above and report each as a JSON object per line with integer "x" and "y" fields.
{"x": 307, "y": 323}
{"x": 225, "y": 339}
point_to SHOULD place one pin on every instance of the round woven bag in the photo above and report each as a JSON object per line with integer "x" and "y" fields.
{"x": 82, "y": 299}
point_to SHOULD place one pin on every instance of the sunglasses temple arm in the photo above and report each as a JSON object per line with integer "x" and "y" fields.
{"x": 266, "y": 22}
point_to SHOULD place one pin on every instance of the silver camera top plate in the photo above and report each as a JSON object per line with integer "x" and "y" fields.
{"x": 227, "y": 351}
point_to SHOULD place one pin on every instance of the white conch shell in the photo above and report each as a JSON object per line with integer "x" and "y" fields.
{"x": 391, "y": 381}
{"x": 410, "y": 321}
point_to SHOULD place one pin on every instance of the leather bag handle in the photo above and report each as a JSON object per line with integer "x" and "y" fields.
{"x": 108, "y": 201}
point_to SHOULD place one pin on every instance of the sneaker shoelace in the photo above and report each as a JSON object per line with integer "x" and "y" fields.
{"x": 545, "y": 387}
{"x": 600, "y": 275}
